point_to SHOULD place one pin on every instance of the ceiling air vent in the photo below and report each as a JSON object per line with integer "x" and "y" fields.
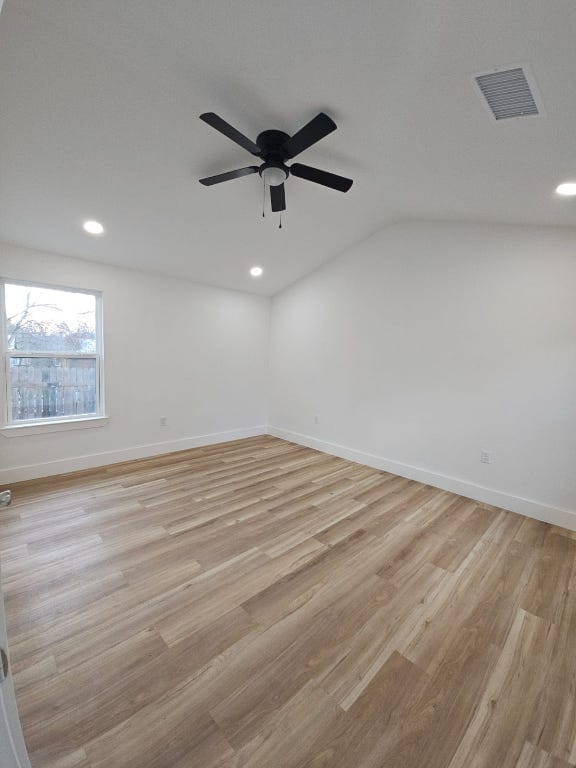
{"x": 510, "y": 92}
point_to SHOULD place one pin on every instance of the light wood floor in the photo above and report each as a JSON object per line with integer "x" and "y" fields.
{"x": 261, "y": 605}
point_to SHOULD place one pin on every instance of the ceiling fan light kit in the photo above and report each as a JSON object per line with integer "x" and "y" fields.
{"x": 273, "y": 175}
{"x": 275, "y": 148}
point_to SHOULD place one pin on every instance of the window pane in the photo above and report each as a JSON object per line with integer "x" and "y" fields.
{"x": 48, "y": 320}
{"x": 48, "y": 387}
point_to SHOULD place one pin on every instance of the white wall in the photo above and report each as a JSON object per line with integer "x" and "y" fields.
{"x": 218, "y": 340}
{"x": 430, "y": 342}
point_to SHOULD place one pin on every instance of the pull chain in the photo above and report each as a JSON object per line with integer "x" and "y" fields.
{"x": 280, "y": 226}
{"x": 263, "y": 198}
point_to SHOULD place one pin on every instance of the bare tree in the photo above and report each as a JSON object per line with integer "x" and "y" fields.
{"x": 27, "y": 332}
{"x": 20, "y": 319}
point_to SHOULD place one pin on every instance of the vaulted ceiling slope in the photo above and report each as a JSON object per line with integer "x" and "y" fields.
{"x": 99, "y": 119}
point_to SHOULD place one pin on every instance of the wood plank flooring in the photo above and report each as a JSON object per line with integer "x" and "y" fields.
{"x": 258, "y": 604}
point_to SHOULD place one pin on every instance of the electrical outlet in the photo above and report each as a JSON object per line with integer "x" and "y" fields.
{"x": 486, "y": 457}
{"x": 163, "y": 421}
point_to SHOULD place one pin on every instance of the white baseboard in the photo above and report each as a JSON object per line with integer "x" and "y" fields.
{"x": 536, "y": 509}
{"x": 63, "y": 466}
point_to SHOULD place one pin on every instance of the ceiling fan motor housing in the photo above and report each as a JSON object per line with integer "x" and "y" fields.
{"x": 273, "y": 170}
{"x": 270, "y": 143}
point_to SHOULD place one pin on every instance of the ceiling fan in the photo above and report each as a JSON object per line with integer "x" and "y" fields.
{"x": 274, "y": 148}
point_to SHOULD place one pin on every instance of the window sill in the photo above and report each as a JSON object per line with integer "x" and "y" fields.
{"x": 21, "y": 430}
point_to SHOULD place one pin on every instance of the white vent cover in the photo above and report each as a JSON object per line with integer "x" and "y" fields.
{"x": 510, "y": 92}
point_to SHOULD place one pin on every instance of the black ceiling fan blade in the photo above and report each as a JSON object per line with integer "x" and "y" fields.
{"x": 221, "y": 125}
{"x": 228, "y": 176}
{"x": 332, "y": 180}
{"x": 316, "y": 129}
{"x": 278, "y": 198}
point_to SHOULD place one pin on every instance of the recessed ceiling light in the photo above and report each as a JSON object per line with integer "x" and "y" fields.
{"x": 568, "y": 189}
{"x": 256, "y": 271}
{"x": 93, "y": 227}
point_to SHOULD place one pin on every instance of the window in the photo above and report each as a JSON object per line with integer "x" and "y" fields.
{"x": 53, "y": 353}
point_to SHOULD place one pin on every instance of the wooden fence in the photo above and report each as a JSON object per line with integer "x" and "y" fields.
{"x": 52, "y": 387}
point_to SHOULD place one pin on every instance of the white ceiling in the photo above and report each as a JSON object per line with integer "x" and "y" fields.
{"x": 99, "y": 105}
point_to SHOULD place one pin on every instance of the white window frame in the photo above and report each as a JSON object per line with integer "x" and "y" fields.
{"x": 10, "y": 427}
